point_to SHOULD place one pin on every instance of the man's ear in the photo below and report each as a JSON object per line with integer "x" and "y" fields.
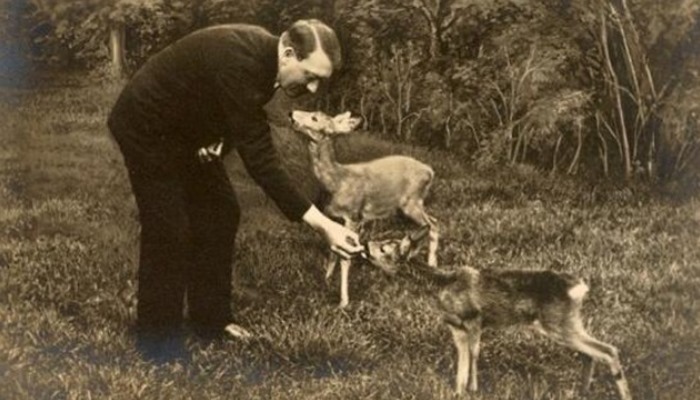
{"x": 289, "y": 52}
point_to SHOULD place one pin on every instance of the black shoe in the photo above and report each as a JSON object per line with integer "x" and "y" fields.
{"x": 162, "y": 348}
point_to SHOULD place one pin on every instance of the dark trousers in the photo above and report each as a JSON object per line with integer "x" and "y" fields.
{"x": 189, "y": 217}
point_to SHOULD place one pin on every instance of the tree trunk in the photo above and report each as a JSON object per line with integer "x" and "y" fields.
{"x": 329, "y": 11}
{"x": 383, "y": 121}
{"x": 626, "y": 156}
{"x": 573, "y": 167}
{"x": 117, "y": 49}
{"x": 447, "y": 140}
{"x": 555, "y": 155}
{"x": 342, "y": 102}
{"x": 363, "y": 112}
{"x": 603, "y": 147}
{"x": 199, "y": 15}
{"x": 435, "y": 45}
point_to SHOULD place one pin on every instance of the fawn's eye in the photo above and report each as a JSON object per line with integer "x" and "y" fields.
{"x": 314, "y": 119}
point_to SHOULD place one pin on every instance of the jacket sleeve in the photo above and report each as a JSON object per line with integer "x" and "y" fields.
{"x": 249, "y": 131}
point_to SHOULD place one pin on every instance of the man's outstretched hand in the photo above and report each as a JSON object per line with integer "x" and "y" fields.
{"x": 341, "y": 240}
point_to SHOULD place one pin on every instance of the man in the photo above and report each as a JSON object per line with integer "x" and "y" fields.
{"x": 182, "y": 111}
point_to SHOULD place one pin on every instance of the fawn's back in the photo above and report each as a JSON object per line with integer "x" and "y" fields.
{"x": 379, "y": 187}
{"x": 510, "y": 297}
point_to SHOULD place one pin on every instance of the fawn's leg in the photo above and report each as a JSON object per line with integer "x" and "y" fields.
{"x": 613, "y": 360}
{"x": 433, "y": 238}
{"x": 345, "y": 269}
{"x": 474, "y": 347}
{"x": 333, "y": 257}
{"x": 575, "y": 337}
{"x": 344, "y": 277}
{"x": 331, "y": 261}
{"x": 461, "y": 340}
{"x": 588, "y": 370}
{"x": 415, "y": 211}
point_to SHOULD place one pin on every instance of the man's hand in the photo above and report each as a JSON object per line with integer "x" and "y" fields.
{"x": 211, "y": 152}
{"x": 341, "y": 240}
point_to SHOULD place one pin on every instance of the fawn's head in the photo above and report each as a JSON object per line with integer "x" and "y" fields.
{"x": 390, "y": 253}
{"x": 317, "y": 126}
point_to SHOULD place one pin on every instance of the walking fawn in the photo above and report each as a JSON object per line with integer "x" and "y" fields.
{"x": 471, "y": 300}
{"x": 365, "y": 191}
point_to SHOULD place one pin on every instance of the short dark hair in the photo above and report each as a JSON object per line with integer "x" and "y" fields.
{"x": 300, "y": 37}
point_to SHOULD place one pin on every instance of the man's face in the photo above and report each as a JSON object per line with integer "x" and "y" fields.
{"x": 298, "y": 77}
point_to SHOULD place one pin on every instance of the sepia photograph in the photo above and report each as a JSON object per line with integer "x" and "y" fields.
{"x": 350, "y": 199}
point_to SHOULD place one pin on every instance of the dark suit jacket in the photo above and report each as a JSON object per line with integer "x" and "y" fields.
{"x": 213, "y": 84}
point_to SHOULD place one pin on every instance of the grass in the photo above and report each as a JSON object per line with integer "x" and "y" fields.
{"x": 68, "y": 251}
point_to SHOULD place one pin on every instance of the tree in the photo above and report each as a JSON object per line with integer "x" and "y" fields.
{"x": 440, "y": 16}
{"x": 638, "y": 52}
{"x": 97, "y": 29}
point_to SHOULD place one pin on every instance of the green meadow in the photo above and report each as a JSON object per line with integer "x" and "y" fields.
{"x": 69, "y": 247}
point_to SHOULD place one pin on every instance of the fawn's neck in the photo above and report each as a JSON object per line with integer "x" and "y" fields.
{"x": 326, "y": 168}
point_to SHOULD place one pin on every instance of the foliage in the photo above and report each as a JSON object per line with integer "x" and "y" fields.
{"x": 681, "y": 132}
{"x": 517, "y": 95}
{"x": 82, "y": 27}
{"x": 638, "y": 53}
{"x": 577, "y": 87}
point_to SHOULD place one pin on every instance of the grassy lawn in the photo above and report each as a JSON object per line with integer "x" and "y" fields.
{"x": 68, "y": 251}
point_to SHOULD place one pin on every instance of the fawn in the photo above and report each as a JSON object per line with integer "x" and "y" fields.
{"x": 366, "y": 191}
{"x": 471, "y": 300}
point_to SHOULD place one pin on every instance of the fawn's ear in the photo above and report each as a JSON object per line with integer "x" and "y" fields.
{"x": 405, "y": 246}
{"x": 345, "y": 123}
{"x": 420, "y": 234}
{"x": 409, "y": 244}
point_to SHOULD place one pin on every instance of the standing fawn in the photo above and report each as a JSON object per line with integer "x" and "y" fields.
{"x": 471, "y": 300}
{"x": 364, "y": 191}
